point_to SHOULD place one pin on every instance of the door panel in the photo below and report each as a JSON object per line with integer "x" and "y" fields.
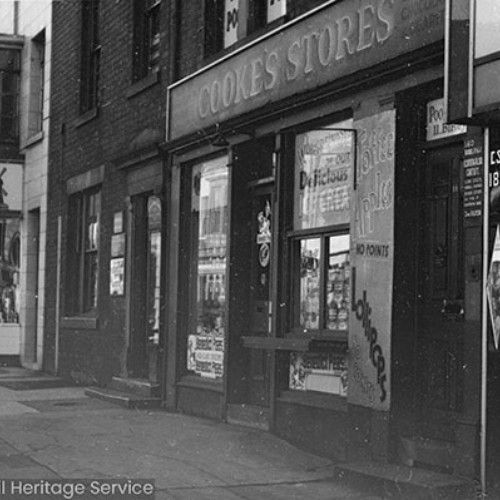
{"x": 441, "y": 293}
{"x": 260, "y": 294}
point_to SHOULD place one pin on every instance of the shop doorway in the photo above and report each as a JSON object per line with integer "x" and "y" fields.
{"x": 251, "y": 283}
{"x": 260, "y": 294}
{"x": 440, "y": 298}
{"x": 145, "y": 294}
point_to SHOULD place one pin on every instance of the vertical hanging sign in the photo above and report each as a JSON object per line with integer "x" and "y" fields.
{"x": 275, "y": 9}
{"x": 493, "y": 289}
{"x": 372, "y": 256}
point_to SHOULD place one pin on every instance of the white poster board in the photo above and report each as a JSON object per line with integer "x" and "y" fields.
{"x": 275, "y": 9}
{"x": 372, "y": 245}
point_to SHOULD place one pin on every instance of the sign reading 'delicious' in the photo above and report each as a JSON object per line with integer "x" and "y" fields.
{"x": 77, "y": 489}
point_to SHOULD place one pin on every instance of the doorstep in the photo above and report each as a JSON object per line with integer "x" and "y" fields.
{"x": 122, "y": 398}
{"x": 401, "y": 482}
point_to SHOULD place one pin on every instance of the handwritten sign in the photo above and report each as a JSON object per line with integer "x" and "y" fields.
{"x": 437, "y": 128}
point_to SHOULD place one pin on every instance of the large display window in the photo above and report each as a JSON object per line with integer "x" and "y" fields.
{"x": 320, "y": 248}
{"x": 209, "y": 227}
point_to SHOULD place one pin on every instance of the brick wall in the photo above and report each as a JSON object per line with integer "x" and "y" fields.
{"x": 122, "y": 125}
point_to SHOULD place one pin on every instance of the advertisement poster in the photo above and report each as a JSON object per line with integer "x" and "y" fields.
{"x": 493, "y": 288}
{"x": 205, "y": 355}
{"x": 473, "y": 176}
{"x": 324, "y": 162}
{"x": 372, "y": 245}
{"x": 117, "y": 276}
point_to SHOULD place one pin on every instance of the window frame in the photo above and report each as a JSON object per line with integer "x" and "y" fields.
{"x": 83, "y": 266}
{"x": 146, "y": 42}
{"x": 190, "y": 289}
{"x": 37, "y": 84}
{"x": 215, "y": 23}
{"x": 15, "y": 73}
{"x": 90, "y": 55}
{"x": 294, "y": 239}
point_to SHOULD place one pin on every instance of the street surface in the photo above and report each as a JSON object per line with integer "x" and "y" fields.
{"x": 59, "y": 433}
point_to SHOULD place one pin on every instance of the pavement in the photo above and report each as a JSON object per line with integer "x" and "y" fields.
{"x": 49, "y": 431}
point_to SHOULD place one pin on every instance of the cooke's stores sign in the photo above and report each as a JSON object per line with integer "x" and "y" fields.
{"x": 343, "y": 37}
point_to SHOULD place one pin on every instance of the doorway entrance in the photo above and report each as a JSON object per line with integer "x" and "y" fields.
{"x": 440, "y": 299}
{"x": 427, "y": 428}
{"x": 260, "y": 294}
{"x": 145, "y": 293}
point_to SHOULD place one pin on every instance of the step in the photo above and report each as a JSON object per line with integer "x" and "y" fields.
{"x": 253, "y": 416}
{"x": 124, "y": 399}
{"x": 141, "y": 387}
{"x": 421, "y": 451}
{"x": 400, "y": 482}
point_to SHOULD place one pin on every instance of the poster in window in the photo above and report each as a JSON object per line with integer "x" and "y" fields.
{"x": 324, "y": 162}
{"x": 117, "y": 276}
{"x": 372, "y": 263}
{"x": 493, "y": 289}
{"x": 235, "y": 21}
{"x": 275, "y": 9}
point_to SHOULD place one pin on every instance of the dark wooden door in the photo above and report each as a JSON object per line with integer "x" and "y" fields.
{"x": 440, "y": 298}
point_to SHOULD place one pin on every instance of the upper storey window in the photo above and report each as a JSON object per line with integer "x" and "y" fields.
{"x": 9, "y": 94}
{"x": 90, "y": 55}
{"x": 146, "y": 38}
{"x": 228, "y": 21}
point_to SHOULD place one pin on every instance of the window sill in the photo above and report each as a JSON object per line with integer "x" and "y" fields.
{"x": 319, "y": 335}
{"x": 278, "y": 344}
{"x": 86, "y": 117}
{"x": 196, "y": 382}
{"x": 80, "y": 322}
{"x": 143, "y": 84}
{"x": 34, "y": 138}
{"x": 315, "y": 399}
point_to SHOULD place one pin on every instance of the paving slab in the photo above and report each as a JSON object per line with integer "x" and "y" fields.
{"x": 60, "y": 433}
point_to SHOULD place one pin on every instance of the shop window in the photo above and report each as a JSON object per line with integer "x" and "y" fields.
{"x": 83, "y": 251}
{"x": 9, "y": 94}
{"x": 90, "y": 55}
{"x": 146, "y": 55}
{"x": 323, "y": 284}
{"x": 37, "y": 77}
{"x": 320, "y": 248}
{"x": 9, "y": 279}
{"x": 209, "y": 227}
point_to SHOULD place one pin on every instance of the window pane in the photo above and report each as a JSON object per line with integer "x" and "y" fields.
{"x": 319, "y": 371}
{"x": 487, "y": 33}
{"x": 9, "y": 275}
{"x": 310, "y": 256}
{"x": 324, "y": 165}
{"x": 209, "y": 220}
{"x": 337, "y": 283}
{"x": 154, "y": 278}
{"x": 90, "y": 297}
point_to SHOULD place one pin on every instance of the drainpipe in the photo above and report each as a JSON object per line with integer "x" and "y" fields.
{"x": 58, "y": 295}
{"x": 484, "y": 322}
{"x": 16, "y": 17}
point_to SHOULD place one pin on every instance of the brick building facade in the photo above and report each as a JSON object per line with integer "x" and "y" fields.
{"x": 255, "y": 214}
{"x": 106, "y": 143}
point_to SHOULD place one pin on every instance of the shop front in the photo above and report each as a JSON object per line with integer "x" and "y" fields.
{"x": 297, "y": 175}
